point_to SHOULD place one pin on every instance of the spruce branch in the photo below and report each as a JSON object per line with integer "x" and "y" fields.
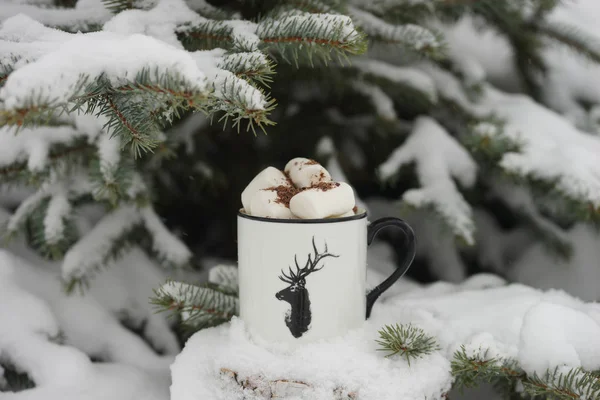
{"x": 51, "y": 232}
{"x": 5, "y": 70}
{"x": 315, "y": 36}
{"x": 27, "y": 207}
{"x": 225, "y": 277}
{"x": 469, "y": 370}
{"x": 74, "y": 154}
{"x": 410, "y": 37}
{"x": 122, "y": 228}
{"x": 402, "y": 12}
{"x": 198, "y": 307}
{"x": 116, "y": 6}
{"x": 253, "y": 66}
{"x": 116, "y": 233}
{"x": 130, "y": 121}
{"x": 232, "y": 101}
{"x": 487, "y": 142}
{"x": 308, "y": 6}
{"x": 558, "y": 383}
{"x": 509, "y": 19}
{"x": 206, "y": 36}
{"x": 576, "y": 40}
{"x": 98, "y": 96}
{"x": 168, "y": 249}
{"x": 408, "y": 341}
{"x": 31, "y": 114}
{"x": 207, "y": 10}
{"x": 136, "y": 109}
{"x": 110, "y": 182}
{"x": 407, "y": 86}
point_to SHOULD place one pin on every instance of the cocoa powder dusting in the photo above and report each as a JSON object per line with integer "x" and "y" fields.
{"x": 310, "y": 162}
{"x": 324, "y": 186}
{"x": 284, "y": 193}
{"x": 355, "y": 209}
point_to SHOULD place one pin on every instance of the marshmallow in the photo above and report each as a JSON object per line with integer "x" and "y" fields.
{"x": 268, "y": 177}
{"x": 318, "y": 202}
{"x": 264, "y": 203}
{"x": 304, "y": 172}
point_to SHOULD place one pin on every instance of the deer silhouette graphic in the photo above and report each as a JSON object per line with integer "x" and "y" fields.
{"x": 298, "y": 318}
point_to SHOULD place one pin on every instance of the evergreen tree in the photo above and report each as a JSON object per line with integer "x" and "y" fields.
{"x": 163, "y": 111}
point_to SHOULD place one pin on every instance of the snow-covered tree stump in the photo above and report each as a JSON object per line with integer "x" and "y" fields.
{"x": 226, "y": 363}
{"x": 280, "y": 388}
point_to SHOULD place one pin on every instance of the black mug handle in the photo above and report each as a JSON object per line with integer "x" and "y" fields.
{"x": 372, "y": 231}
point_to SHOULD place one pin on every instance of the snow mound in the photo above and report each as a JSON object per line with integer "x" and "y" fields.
{"x": 539, "y": 329}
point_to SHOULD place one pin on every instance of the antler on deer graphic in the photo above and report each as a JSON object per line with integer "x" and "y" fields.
{"x": 298, "y": 318}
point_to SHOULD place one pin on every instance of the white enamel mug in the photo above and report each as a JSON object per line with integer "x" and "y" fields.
{"x": 302, "y": 280}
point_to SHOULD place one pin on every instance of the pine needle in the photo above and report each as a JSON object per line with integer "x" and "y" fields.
{"x": 408, "y": 341}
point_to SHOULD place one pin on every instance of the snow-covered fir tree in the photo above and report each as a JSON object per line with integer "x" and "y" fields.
{"x": 129, "y": 128}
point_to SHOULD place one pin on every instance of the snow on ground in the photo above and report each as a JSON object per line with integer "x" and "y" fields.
{"x": 539, "y": 329}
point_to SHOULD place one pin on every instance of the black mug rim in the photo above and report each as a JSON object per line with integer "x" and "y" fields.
{"x": 361, "y": 215}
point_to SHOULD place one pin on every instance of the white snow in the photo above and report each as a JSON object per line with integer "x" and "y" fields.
{"x": 471, "y": 70}
{"x": 383, "y": 104}
{"x": 569, "y": 78}
{"x": 92, "y": 249}
{"x": 109, "y": 153}
{"x": 411, "y": 36}
{"x": 168, "y": 246}
{"x": 178, "y": 291}
{"x": 244, "y": 33}
{"x": 325, "y": 24}
{"x": 550, "y": 144}
{"x": 248, "y": 61}
{"x": 56, "y": 76}
{"x": 224, "y": 275}
{"x": 539, "y": 329}
{"x": 32, "y": 144}
{"x": 24, "y": 29}
{"x": 85, "y": 13}
{"x": 30, "y": 288}
{"x": 161, "y": 21}
{"x": 350, "y": 363}
{"x": 225, "y": 84}
{"x": 27, "y": 206}
{"x": 439, "y": 158}
{"x": 62, "y": 371}
{"x": 572, "y": 334}
{"x": 411, "y": 77}
{"x": 59, "y": 209}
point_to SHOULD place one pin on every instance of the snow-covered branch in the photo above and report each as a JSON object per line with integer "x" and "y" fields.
{"x": 439, "y": 158}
